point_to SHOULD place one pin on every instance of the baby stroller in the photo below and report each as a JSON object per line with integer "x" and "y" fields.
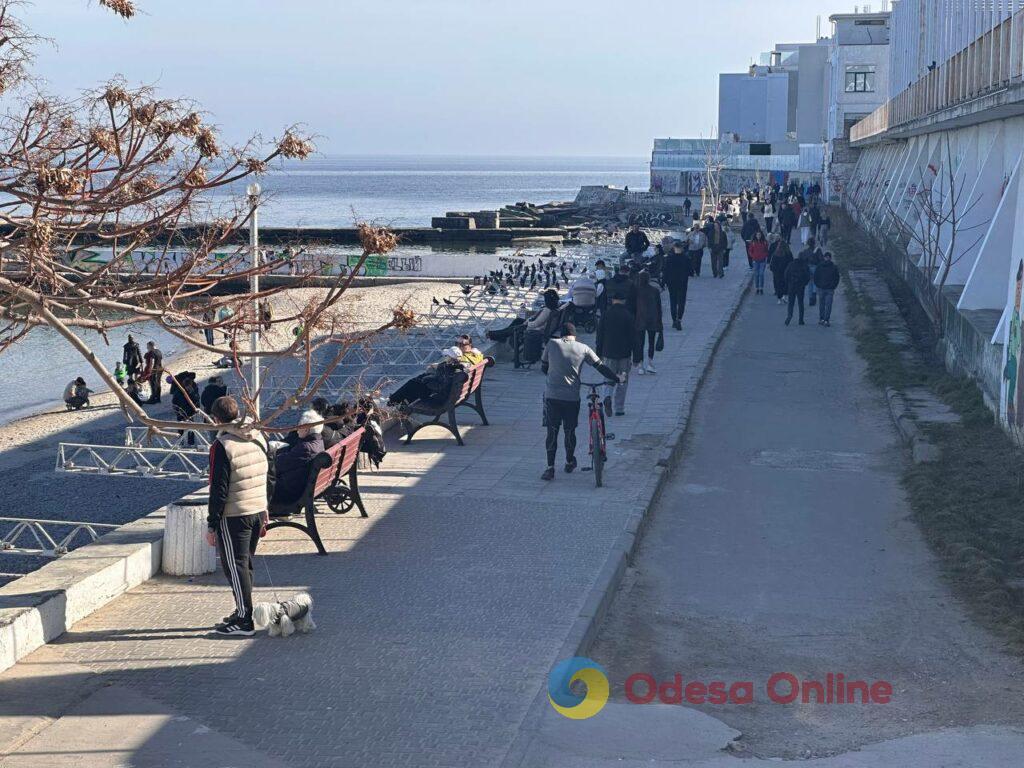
{"x": 585, "y": 318}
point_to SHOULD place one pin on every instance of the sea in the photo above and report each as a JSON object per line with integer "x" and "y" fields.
{"x": 335, "y": 191}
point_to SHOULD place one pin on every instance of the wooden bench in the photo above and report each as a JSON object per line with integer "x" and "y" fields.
{"x": 465, "y": 384}
{"x": 332, "y": 478}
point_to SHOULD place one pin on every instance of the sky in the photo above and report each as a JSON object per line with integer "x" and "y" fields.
{"x": 445, "y": 77}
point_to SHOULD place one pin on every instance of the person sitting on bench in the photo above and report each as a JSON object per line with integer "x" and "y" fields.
{"x": 470, "y": 355}
{"x": 433, "y": 385}
{"x": 292, "y": 462}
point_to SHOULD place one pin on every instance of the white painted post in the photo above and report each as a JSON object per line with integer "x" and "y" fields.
{"x": 185, "y": 551}
{"x": 254, "y": 288}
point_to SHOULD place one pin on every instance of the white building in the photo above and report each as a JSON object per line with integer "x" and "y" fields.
{"x": 781, "y": 101}
{"x": 952, "y": 131}
{"x": 771, "y": 126}
{"x": 858, "y": 84}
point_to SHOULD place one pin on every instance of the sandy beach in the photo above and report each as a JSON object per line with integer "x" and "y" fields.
{"x": 28, "y": 446}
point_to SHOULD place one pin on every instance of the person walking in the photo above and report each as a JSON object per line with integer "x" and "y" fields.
{"x": 750, "y": 228}
{"x": 637, "y": 243}
{"x": 615, "y": 339}
{"x": 758, "y": 253}
{"x": 781, "y": 258}
{"x": 826, "y": 278}
{"x": 561, "y": 362}
{"x": 805, "y": 226}
{"x": 678, "y": 269}
{"x": 241, "y": 483}
{"x": 824, "y": 227}
{"x": 687, "y": 205}
{"x": 769, "y": 217}
{"x": 154, "y": 371}
{"x": 787, "y": 220}
{"x": 648, "y": 323}
{"x": 797, "y": 276}
{"x": 813, "y": 255}
{"x": 695, "y": 244}
{"x": 718, "y": 243}
{"x": 131, "y": 357}
{"x": 208, "y": 318}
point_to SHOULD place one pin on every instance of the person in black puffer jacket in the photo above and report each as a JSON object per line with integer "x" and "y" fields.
{"x": 292, "y": 461}
{"x": 185, "y": 399}
{"x": 616, "y": 336}
{"x": 215, "y": 388}
{"x": 648, "y": 322}
{"x": 678, "y": 269}
{"x": 826, "y": 279}
{"x": 798, "y": 274}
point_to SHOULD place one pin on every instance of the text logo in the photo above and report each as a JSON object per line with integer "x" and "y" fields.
{"x": 575, "y": 705}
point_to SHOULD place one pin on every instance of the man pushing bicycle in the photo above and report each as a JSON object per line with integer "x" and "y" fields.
{"x": 562, "y": 360}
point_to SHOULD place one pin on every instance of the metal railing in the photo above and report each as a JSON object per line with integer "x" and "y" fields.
{"x": 366, "y": 368}
{"x": 133, "y": 461}
{"x": 42, "y": 532}
{"x": 990, "y": 63}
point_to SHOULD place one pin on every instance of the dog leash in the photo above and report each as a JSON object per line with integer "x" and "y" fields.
{"x": 270, "y": 578}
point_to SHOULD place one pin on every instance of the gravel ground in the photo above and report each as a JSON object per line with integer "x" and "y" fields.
{"x": 28, "y": 447}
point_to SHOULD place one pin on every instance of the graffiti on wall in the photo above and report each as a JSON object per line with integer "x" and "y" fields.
{"x": 1013, "y": 373}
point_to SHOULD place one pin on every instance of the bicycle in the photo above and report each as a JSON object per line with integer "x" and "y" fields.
{"x": 596, "y": 431}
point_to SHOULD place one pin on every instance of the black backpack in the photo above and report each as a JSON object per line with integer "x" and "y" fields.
{"x": 372, "y": 442}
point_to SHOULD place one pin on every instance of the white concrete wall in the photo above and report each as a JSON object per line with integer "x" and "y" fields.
{"x": 987, "y": 164}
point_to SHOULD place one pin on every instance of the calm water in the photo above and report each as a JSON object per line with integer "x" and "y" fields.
{"x": 323, "y": 192}
{"x": 408, "y": 191}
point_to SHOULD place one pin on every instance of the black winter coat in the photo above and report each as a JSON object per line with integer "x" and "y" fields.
{"x": 210, "y": 394}
{"x": 637, "y": 242}
{"x": 798, "y": 275}
{"x": 181, "y": 404}
{"x": 826, "y": 276}
{"x": 616, "y": 333}
{"x": 678, "y": 268}
{"x": 292, "y": 466}
{"x": 648, "y": 308}
{"x": 780, "y": 260}
{"x": 132, "y": 356}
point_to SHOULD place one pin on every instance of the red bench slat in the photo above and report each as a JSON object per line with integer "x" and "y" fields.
{"x": 346, "y": 452}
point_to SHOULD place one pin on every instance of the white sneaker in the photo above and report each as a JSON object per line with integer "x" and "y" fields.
{"x": 640, "y": 371}
{"x": 650, "y": 366}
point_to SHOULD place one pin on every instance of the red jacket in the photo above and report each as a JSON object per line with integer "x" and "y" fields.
{"x": 758, "y": 250}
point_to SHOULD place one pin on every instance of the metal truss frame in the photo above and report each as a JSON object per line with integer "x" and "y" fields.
{"x": 48, "y": 542}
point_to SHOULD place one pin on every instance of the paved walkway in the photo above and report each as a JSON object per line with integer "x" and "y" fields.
{"x": 439, "y": 616}
{"x": 784, "y": 544}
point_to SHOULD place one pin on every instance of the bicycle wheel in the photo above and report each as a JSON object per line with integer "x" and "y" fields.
{"x": 597, "y": 450}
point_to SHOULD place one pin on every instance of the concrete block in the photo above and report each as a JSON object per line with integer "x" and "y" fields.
{"x": 453, "y": 222}
{"x": 42, "y": 605}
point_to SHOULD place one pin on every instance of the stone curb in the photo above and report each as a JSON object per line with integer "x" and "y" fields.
{"x": 42, "y": 605}
{"x": 922, "y": 450}
{"x": 584, "y": 629}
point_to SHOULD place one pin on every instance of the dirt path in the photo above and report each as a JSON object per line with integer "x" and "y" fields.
{"x": 784, "y": 544}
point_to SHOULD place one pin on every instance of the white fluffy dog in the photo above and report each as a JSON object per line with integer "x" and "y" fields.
{"x": 285, "y": 618}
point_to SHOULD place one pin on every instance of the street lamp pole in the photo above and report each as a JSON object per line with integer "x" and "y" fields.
{"x": 254, "y": 288}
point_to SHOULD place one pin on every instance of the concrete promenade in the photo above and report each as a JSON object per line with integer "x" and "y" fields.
{"x": 439, "y": 616}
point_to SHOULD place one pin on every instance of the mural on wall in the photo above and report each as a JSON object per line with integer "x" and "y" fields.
{"x": 1013, "y": 374}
